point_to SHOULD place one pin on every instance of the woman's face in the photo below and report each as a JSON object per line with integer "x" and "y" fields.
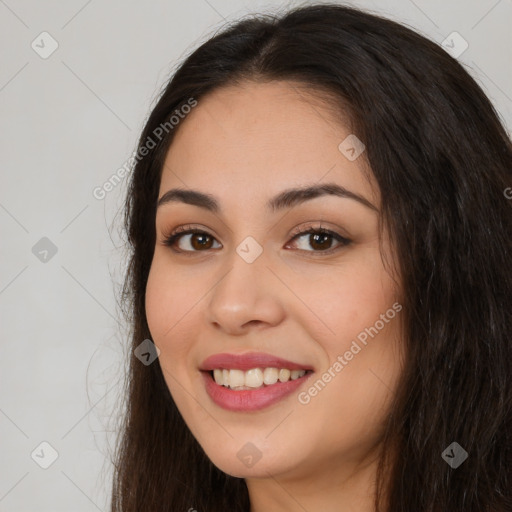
{"x": 253, "y": 298}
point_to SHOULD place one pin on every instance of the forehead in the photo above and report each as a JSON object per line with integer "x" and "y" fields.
{"x": 255, "y": 139}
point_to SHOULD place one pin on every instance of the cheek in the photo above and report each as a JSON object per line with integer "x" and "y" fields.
{"x": 169, "y": 306}
{"x": 159, "y": 302}
{"x": 344, "y": 301}
{"x": 355, "y": 319}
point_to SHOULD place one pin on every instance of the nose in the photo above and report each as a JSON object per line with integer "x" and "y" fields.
{"x": 247, "y": 296}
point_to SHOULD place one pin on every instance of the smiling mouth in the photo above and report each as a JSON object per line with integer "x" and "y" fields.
{"x": 255, "y": 378}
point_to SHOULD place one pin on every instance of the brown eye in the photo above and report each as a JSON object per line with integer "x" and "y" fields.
{"x": 320, "y": 240}
{"x": 201, "y": 241}
{"x": 192, "y": 240}
{"x": 315, "y": 241}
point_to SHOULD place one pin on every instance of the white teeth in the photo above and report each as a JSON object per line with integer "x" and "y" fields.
{"x": 284, "y": 375}
{"x": 236, "y": 378}
{"x": 254, "y": 378}
{"x": 270, "y": 376}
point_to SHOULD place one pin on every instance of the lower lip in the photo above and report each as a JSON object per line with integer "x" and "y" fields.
{"x": 250, "y": 399}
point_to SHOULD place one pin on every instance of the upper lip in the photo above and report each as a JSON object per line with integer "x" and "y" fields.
{"x": 248, "y": 361}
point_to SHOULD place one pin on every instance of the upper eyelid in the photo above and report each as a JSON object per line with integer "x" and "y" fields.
{"x": 299, "y": 232}
{"x": 312, "y": 226}
{"x": 303, "y": 230}
{"x": 304, "y": 227}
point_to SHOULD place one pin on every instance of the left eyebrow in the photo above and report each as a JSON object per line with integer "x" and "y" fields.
{"x": 294, "y": 196}
{"x": 285, "y": 199}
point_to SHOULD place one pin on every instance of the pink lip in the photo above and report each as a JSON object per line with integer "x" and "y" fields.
{"x": 251, "y": 399}
{"x": 248, "y": 361}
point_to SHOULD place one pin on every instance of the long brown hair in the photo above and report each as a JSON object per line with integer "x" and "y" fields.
{"x": 443, "y": 162}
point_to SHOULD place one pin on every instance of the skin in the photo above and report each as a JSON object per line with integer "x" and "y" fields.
{"x": 243, "y": 145}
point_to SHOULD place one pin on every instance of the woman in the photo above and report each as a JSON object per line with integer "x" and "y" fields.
{"x": 320, "y": 255}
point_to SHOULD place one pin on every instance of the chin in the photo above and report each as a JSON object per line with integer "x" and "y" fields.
{"x": 250, "y": 462}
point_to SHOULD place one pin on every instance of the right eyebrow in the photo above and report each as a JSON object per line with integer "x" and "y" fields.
{"x": 285, "y": 199}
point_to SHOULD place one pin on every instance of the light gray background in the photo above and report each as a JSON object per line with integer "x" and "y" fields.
{"x": 67, "y": 124}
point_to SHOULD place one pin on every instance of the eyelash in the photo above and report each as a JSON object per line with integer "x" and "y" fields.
{"x": 171, "y": 239}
